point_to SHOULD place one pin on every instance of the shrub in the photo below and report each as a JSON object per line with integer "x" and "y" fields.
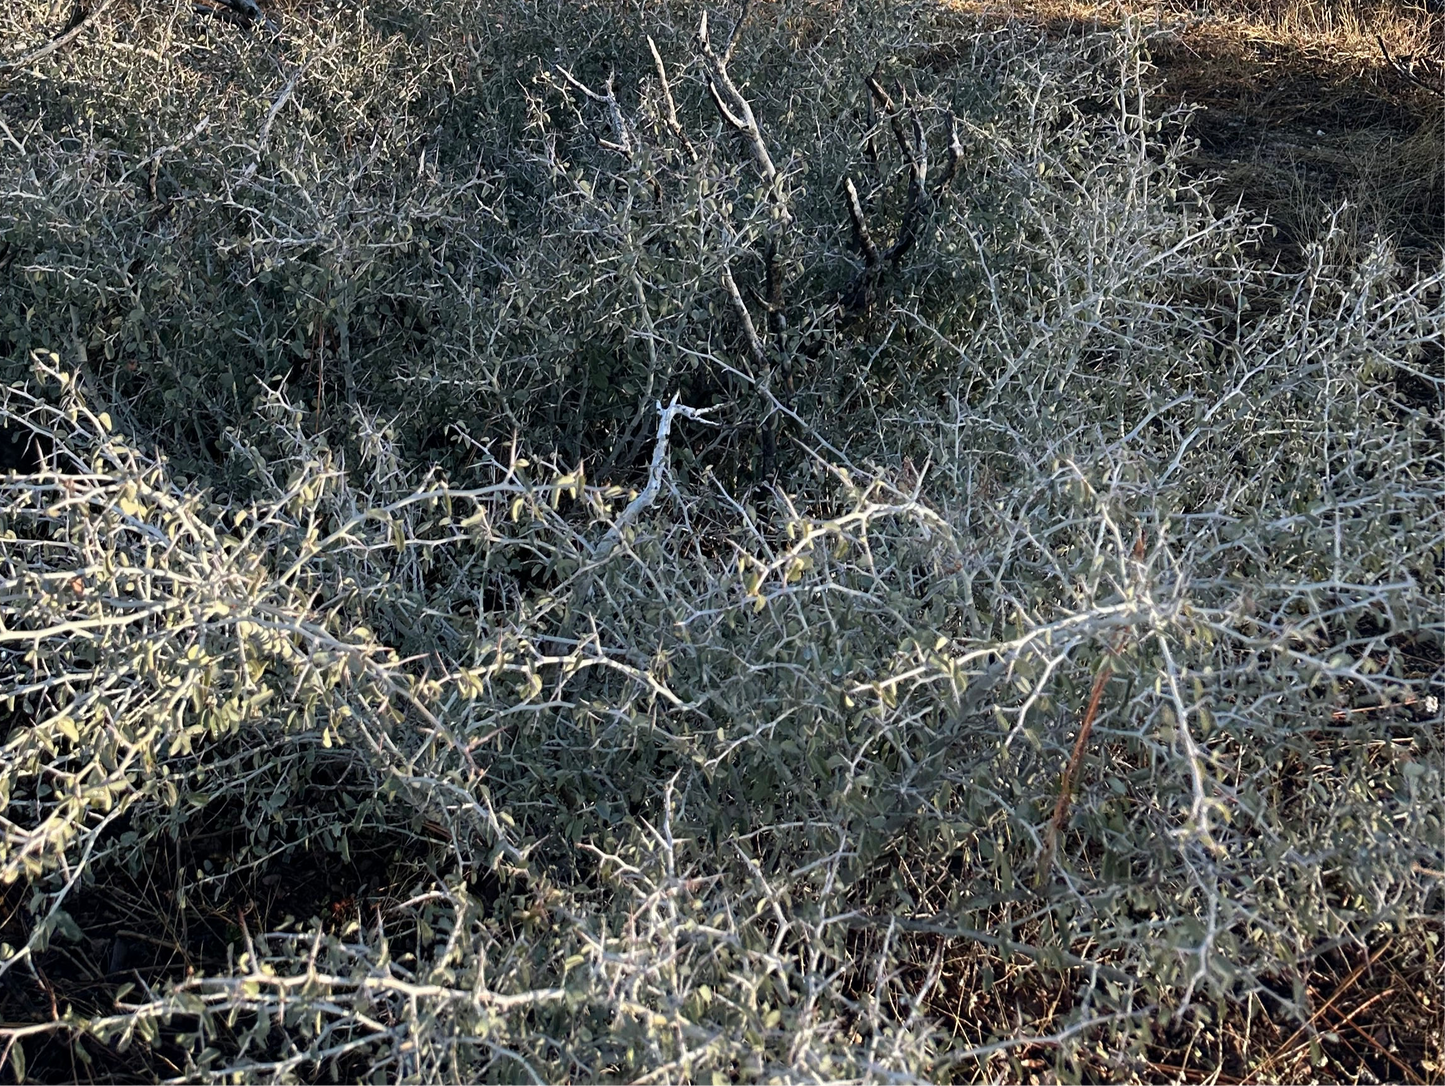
{"x": 1022, "y": 576}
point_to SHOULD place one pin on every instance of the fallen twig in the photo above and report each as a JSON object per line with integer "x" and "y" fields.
{"x": 1288, "y": 1047}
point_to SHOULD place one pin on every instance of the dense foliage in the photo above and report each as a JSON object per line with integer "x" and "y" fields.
{"x": 737, "y": 740}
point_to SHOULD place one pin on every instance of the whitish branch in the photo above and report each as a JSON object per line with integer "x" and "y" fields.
{"x": 654, "y": 475}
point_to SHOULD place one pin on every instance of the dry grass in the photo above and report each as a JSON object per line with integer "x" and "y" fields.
{"x": 1373, "y": 1013}
{"x": 1301, "y": 117}
{"x": 1336, "y": 34}
{"x": 1341, "y": 32}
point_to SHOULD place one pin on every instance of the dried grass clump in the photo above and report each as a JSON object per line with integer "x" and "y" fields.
{"x": 1016, "y": 650}
{"x": 1336, "y": 34}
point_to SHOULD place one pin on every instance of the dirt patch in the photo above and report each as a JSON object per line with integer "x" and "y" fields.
{"x": 1301, "y": 122}
{"x": 1295, "y": 139}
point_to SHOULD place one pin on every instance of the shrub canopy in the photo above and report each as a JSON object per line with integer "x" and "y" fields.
{"x": 347, "y": 535}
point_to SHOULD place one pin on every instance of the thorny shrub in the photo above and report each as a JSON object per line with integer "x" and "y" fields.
{"x": 336, "y": 346}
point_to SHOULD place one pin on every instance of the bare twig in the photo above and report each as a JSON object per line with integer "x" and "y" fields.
{"x": 1405, "y": 73}
{"x": 155, "y": 156}
{"x": 735, "y": 108}
{"x": 860, "y": 224}
{"x": 654, "y": 475}
{"x": 264, "y": 137}
{"x": 955, "y": 158}
{"x": 672, "y": 122}
{"x": 750, "y": 331}
{"x": 9, "y": 135}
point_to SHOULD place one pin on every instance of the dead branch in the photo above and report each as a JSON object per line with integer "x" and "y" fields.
{"x": 885, "y": 103}
{"x": 672, "y": 122}
{"x": 917, "y": 203}
{"x": 750, "y": 331}
{"x": 860, "y": 224}
{"x": 918, "y": 198}
{"x": 1398, "y": 66}
{"x": 654, "y": 475}
{"x": 623, "y": 143}
{"x": 737, "y": 112}
{"x": 955, "y": 159}
{"x": 735, "y": 109}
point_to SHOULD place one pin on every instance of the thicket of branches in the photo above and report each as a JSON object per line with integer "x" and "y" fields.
{"x": 768, "y": 548}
